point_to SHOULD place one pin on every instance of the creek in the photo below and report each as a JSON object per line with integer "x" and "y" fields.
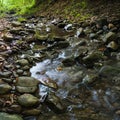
{"x": 77, "y": 66}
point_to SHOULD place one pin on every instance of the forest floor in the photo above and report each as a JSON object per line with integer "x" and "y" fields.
{"x": 77, "y": 10}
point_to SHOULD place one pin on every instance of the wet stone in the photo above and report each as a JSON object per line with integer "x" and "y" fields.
{"x": 80, "y": 32}
{"x": 16, "y": 30}
{"x": 87, "y": 31}
{"x": 7, "y": 80}
{"x": 118, "y": 112}
{"x": 109, "y": 70}
{"x": 26, "y": 67}
{"x": 41, "y": 37}
{"x": 31, "y": 112}
{"x": 68, "y": 27}
{"x": 68, "y": 62}
{"x": 77, "y": 77}
{"x": 58, "y": 38}
{"x": 5, "y": 74}
{"x": 81, "y": 43}
{"x": 55, "y": 103}
{"x": 61, "y": 25}
{"x": 26, "y": 89}
{"x": 89, "y": 79}
{"x": 28, "y": 100}
{"x": 8, "y": 37}
{"x": 62, "y": 44}
{"x": 93, "y": 35}
{"x": 5, "y": 88}
{"x": 110, "y": 26}
{"x": 27, "y": 84}
{"x": 101, "y": 22}
{"x": 110, "y": 36}
{"x": 27, "y": 81}
{"x": 112, "y": 45}
{"x": 118, "y": 56}
{"x": 92, "y": 57}
{"x": 25, "y": 73}
{"x": 22, "y": 62}
{"x": 15, "y": 108}
{"x": 16, "y": 24}
{"x": 48, "y": 82}
{"x": 15, "y": 74}
{"x": 99, "y": 32}
{"x": 5, "y": 116}
{"x": 20, "y": 72}
{"x": 1, "y": 59}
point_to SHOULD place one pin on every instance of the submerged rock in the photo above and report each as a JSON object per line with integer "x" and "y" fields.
{"x": 28, "y": 100}
{"x": 108, "y": 70}
{"x": 68, "y": 62}
{"x": 48, "y": 82}
{"x": 55, "y": 103}
{"x": 91, "y": 58}
{"x": 89, "y": 79}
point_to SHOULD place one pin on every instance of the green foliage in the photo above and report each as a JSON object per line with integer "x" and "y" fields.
{"x": 19, "y": 6}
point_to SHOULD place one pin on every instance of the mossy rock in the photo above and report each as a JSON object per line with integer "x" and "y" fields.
{"x": 5, "y": 116}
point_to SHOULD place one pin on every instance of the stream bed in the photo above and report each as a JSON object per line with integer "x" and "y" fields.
{"x": 53, "y": 69}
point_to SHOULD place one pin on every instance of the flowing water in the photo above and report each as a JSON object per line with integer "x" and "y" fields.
{"x": 99, "y": 101}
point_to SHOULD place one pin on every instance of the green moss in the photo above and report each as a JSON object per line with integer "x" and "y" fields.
{"x": 21, "y": 19}
{"x": 18, "y": 6}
